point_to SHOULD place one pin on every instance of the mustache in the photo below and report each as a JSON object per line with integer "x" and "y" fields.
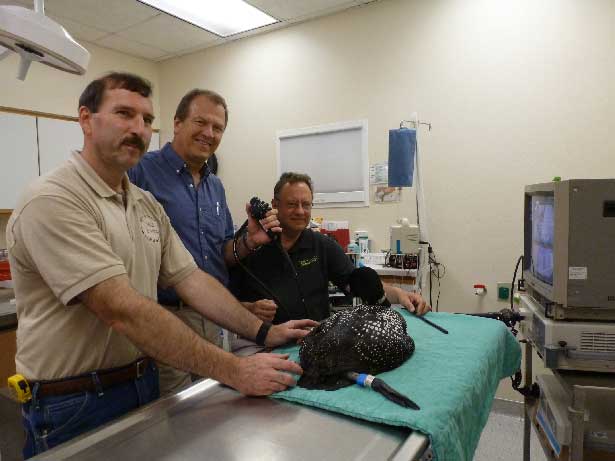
{"x": 135, "y": 141}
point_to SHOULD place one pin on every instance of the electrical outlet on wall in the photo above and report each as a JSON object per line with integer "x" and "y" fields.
{"x": 504, "y": 291}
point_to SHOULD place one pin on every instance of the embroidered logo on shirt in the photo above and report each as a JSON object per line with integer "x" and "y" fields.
{"x": 307, "y": 262}
{"x": 150, "y": 229}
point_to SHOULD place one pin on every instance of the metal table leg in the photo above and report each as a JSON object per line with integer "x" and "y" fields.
{"x": 527, "y": 422}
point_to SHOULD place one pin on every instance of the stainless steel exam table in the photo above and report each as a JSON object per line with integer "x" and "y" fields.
{"x": 210, "y": 421}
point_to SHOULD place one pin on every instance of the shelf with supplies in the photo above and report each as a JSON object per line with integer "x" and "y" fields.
{"x": 386, "y": 264}
{"x": 402, "y": 278}
{"x": 393, "y": 271}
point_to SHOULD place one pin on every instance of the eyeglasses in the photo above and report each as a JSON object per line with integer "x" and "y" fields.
{"x": 307, "y": 206}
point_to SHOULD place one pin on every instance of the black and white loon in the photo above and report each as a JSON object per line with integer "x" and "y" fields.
{"x": 365, "y": 339}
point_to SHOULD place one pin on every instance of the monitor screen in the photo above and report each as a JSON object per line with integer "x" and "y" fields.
{"x": 542, "y": 238}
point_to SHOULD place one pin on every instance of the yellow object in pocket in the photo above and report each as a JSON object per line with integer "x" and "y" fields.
{"x": 20, "y": 389}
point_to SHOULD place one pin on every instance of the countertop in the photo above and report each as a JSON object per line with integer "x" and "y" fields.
{"x": 8, "y": 315}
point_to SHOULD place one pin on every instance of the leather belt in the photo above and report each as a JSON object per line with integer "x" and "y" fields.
{"x": 94, "y": 381}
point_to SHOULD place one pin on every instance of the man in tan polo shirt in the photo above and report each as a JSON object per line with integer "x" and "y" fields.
{"x": 87, "y": 250}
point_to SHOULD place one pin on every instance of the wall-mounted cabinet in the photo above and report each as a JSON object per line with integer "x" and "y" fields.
{"x": 56, "y": 140}
{"x": 19, "y": 157}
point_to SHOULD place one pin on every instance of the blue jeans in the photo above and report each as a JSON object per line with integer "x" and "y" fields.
{"x": 50, "y": 421}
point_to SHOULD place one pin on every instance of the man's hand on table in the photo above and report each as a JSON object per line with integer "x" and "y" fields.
{"x": 264, "y": 374}
{"x": 290, "y": 331}
{"x": 414, "y": 302}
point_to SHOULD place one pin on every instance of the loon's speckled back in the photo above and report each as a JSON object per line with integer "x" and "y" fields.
{"x": 364, "y": 339}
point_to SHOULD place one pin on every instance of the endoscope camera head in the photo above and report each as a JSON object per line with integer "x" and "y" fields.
{"x": 258, "y": 208}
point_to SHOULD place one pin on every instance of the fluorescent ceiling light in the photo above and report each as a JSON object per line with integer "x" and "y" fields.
{"x": 222, "y": 17}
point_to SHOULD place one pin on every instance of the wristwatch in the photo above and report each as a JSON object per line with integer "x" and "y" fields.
{"x": 263, "y": 331}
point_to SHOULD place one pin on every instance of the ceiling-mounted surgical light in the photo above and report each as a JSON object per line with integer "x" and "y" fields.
{"x": 222, "y": 17}
{"x": 35, "y": 37}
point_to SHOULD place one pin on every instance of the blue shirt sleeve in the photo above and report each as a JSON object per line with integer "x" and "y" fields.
{"x": 230, "y": 231}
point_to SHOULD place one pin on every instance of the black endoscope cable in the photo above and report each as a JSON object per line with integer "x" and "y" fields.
{"x": 261, "y": 285}
{"x": 512, "y": 285}
{"x": 434, "y": 269}
{"x": 530, "y": 389}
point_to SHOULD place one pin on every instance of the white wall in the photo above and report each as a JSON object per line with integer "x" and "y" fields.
{"x": 517, "y": 92}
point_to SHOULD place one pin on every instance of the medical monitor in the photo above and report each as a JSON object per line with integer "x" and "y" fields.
{"x": 542, "y": 237}
{"x": 569, "y": 239}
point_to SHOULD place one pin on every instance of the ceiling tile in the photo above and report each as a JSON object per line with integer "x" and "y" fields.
{"x": 25, "y": 3}
{"x": 107, "y": 15}
{"x": 134, "y": 28}
{"x": 131, "y": 47}
{"x": 79, "y": 31}
{"x": 294, "y": 9}
{"x": 193, "y": 49}
{"x": 169, "y": 33}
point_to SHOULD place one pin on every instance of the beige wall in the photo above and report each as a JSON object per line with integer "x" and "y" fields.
{"x": 517, "y": 92}
{"x": 49, "y": 90}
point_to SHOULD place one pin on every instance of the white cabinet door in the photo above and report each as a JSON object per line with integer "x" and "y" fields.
{"x": 18, "y": 156}
{"x": 56, "y": 140}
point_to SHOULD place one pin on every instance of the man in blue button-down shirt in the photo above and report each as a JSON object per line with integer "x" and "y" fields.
{"x": 194, "y": 198}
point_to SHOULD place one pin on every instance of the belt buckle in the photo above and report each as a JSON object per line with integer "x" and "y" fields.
{"x": 140, "y": 368}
